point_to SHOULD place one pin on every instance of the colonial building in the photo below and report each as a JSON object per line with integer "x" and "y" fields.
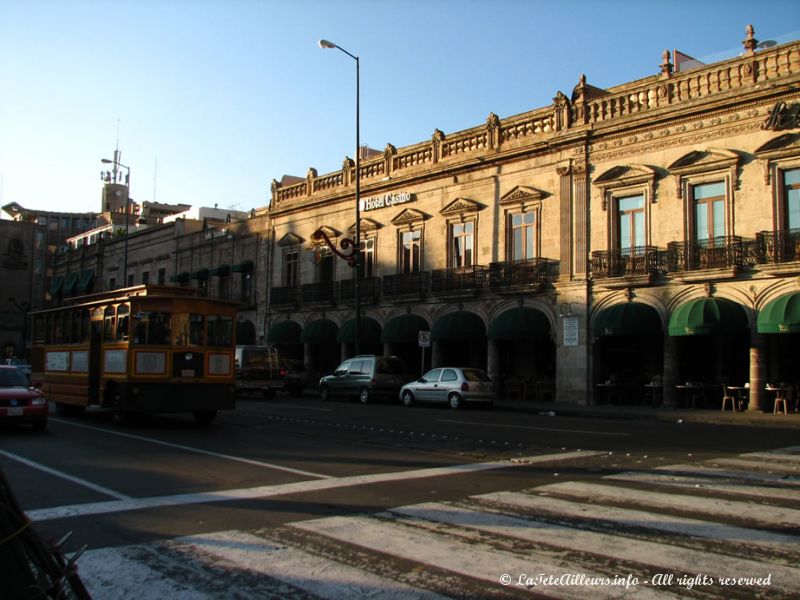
{"x": 641, "y": 234}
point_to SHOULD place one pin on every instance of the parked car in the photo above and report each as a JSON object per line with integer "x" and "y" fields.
{"x": 365, "y": 377}
{"x": 20, "y": 403}
{"x": 261, "y": 369}
{"x": 454, "y": 385}
{"x": 22, "y": 364}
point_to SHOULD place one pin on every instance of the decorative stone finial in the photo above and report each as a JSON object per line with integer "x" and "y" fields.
{"x": 750, "y": 42}
{"x": 666, "y": 65}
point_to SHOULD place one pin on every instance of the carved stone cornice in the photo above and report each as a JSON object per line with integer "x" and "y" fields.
{"x": 409, "y": 216}
{"x": 705, "y": 161}
{"x": 461, "y": 206}
{"x": 522, "y": 196}
{"x": 623, "y": 176}
{"x": 786, "y": 146}
{"x": 290, "y": 239}
{"x": 367, "y": 225}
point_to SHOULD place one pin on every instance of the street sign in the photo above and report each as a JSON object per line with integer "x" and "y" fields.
{"x": 424, "y": 339}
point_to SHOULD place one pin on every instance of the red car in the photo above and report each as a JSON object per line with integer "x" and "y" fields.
{"x": 19, "y": 402}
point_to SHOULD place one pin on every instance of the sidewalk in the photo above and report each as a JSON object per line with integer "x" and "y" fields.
{"x": 661, "y": 413}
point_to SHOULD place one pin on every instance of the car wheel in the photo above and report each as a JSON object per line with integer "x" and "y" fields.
{"x": 324, "y": 394}
{"x": 454, "y": 400}
{"x": 363, "y": 396}
{"x": 408, "y": 398}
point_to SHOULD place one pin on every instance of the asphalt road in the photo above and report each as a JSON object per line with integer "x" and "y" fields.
{"x": 285, "y": 461}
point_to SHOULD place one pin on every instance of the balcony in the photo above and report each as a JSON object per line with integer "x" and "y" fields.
{"x": 319, "y": 292}
{"x": 640, "y": 261}
{"x": 369, "y": 290}
{"x": 722, "y": 252}
{"x": 459, "y": 279}
{"x": 414, "y": 285}
{"x": 287, "y": 297}
{"x": 777, "y": 246}
{"x": 530, "y": 273}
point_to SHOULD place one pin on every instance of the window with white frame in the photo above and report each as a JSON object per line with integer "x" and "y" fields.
{"x": 410, "y": 251}
{"x": 522, "y": 235}
{"x": 291, "y": 264}
{"x": 462, "y": 244}
{"x": 708, "y": 200}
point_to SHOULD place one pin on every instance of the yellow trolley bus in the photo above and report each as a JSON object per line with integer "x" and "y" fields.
{"x": 154, "y": 349}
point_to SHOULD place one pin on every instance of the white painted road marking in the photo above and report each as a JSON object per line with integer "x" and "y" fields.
{"x": 267, "y": 491}
{"x": 608, "y": 433}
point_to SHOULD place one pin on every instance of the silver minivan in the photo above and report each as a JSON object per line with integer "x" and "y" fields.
{"x": 365, "y": 377}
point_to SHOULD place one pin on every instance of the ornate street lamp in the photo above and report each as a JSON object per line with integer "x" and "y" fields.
{"x": 354, "y": 258}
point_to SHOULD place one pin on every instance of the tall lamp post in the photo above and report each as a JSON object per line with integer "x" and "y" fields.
{"x": 357, "y": 242}
{"x": 116, "y": 164}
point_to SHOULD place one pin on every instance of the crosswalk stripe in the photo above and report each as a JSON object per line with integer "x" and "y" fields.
{"x": 707, "y": 470}
{"x": 728, "y": 486}
{"x": 710, "y": 506}
{"x": 466, "y": 555}
{"x": 772, "y": 466}
{"x": 626, "y": 519}
{"x": 659, "y": 555}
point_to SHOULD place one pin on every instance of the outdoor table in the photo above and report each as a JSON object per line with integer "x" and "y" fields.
{"x": 609, "y": 390}
{"x": 694, "y": 391}
{"x": 740, "y": 392}
{"x": 780, "y": 397}
{"x": 654, "y": 391}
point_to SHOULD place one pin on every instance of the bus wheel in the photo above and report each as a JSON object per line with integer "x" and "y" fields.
{"x": 205, "y": 417}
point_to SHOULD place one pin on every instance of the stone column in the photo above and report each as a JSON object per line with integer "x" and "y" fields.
{"x": 669, "y": 376}
{"x": 435, "y": 354}
{"x": 758, "y": 344}
{"x": 308, "y": 359}
{"x": 493, "y": 362}
{"x": 343, "y": 351}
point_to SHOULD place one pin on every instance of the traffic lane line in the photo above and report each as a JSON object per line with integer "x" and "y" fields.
{"x": 247, "y": 461}
{"x": 484, "y": 424}
{"x": 267, "y": 491}
{"x": 78, "y": 480}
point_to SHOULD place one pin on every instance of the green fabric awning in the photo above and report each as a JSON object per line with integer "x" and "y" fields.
{"x": 243, "y": 267}
{"x": 220, "y": 271}
{"x": 321, "y": 331}
{"x": 85, "y": 281}
{"x": 56, "y": 284}
{"x": 781, "y": 315}
{"x": 705, "y": 316}
{"x": 284, "y": 332}
{"x": 70, "y": 283}
{"x": 369, "y": 331}
{"x": 628, "y": 318}
{"x": 461, "y": 325}
{"x": 180, "y": 277}
{"x": 404, "y": 330}
{"x": 521, "y": 323}
{"x": 201, "y": 274}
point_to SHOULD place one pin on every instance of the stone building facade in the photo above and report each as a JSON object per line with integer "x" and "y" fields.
{"x": 614, "y": 245}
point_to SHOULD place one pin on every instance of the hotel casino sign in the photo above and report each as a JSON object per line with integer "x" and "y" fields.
{"x": 385, "y": 201}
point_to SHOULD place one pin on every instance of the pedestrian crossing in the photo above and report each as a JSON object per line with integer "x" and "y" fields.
{"x": 726, "y": 528}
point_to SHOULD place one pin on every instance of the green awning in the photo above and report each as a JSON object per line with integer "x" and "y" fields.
{"x": 180, "y": 277}
{"x": 284, "y": 332}
{"x": 369, "y": 331}
{"x": 781, "y": 315}
{"x": 461, "y": 325}
{"x": 243, "y": 267}
{"x": 404, "y": 329}
{"x": 628, "y": 318}
{"x": 70, "y": 283}
{"x": 201, "y": 274}
{"x": 521, "y": 323}
{"x": 321, "y": 331}
{"x": 220, "y": 271}
{"x": 85, "y": 281}
{"x": 704, "y": 316}
{"x": 56, "y": 284}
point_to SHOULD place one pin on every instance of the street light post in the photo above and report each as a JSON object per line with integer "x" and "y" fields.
{"x": 116, "y": 164}
{"x": 357, "y": 242}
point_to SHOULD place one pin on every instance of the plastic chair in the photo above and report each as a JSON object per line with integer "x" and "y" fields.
{"x": 728, "y": 399}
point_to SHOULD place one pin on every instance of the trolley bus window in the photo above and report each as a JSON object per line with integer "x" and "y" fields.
{"x": 189, "y": 329}
{"x": 122, "y": 323}
{"x": 220, "y": 330}
{"x": 151, "y": 328}
{"x": 109, "y": 320}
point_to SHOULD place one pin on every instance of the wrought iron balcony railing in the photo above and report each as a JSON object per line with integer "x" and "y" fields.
{"x": 459, "y": 279}
{"x": 713, "y": 253}
{"x": 627, "y": 262}
{"x": 369, "y": 289}
{"x": 285, "y": 296}
{"x": 777, "y": 246}
{"x": 406, "y": 284}
{"x": 534, "y": 272}
{"x": 319, "y": 292}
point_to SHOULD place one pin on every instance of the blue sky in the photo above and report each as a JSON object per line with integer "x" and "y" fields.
{"x": 215, "y": 98}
